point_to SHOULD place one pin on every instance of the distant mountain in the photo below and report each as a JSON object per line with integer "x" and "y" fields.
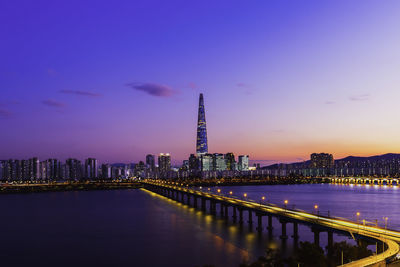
{"x": 388, "y": 156}
{"x": 351, "y": 159}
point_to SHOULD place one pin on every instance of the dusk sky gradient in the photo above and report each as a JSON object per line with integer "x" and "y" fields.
{"x": 281, "y": 79}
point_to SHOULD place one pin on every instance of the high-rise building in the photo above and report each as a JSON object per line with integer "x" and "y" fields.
{"x": 219, "y": 162}
{"x": 34, "y": 170}
{"x": 164, "y": 162}
{"x": 1, "y": 170}
{"x": 201, "y": 141}
{"x": 321, "y": 160}
{"x": 53, "y": 170}
{"x": 243, "y": 162}
{"x": 105, "y": 171}
{"x": 206, "y": 162}
{"x": 75, "y": 169}
{"x": 25, "y": 169}
{"x": 91, "y": 168}
{"x": 150, "y": 162}
{"x": 193, "y": 163}
{"x": 230, "y": 161}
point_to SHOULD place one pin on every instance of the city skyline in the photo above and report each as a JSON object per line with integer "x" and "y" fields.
{"x": 282, "y": 81}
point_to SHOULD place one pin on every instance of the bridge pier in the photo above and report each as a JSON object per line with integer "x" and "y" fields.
{"x": 213, "y": 207}
{"x": 270, "y": 227}
{"x": 203, "y": 204}
{"x": 221, "y": 209}
{"x": 330, "y": 240}
{"x": 226, "y": 212}
{"x": 188, "y": 199}
{"x": 316, "y": 235}
{"x": 259, "y": 222}
{"x": 234, "y": 216}
{"x": 182, "y": 198}
{"x": 195, "y": 202}
{"x": 240, "y": 216}
{"x": 295, "y": 230}
{"x": 250, "y": 217}
{"x": 283, "y": 223}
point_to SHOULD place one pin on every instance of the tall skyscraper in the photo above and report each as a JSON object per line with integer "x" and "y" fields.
{"x": 164, "y": 162}
{"x": 243, "y": 163}
{"x": 206, "y": 162}
{"x": 90, "y": 168}
{"x": 150, "y": 162}
{"x": 193, "y": 163}
{"x": 219, "y": 162}
{"x": 201, "y": 142}
{"x": 230, "y": 161}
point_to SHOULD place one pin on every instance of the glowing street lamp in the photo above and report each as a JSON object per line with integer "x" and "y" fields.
{"x": 386, "y": 220}
{"x": 262, "y": 199}
{"x": 316, "y": 209}
{"x": 286, "y": 202}
{"x": 219, "y": 190}
{"x": 358, "y": 216}
{"x": 245, "y": 195}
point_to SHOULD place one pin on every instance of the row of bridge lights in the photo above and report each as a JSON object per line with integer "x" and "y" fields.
{"x": 316, "y": 207}
{"x": 286, "y": 202}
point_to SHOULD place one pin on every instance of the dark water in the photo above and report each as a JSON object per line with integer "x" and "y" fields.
{"x": 140, "y": 228}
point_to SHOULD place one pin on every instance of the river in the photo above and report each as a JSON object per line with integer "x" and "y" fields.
{"x": 138, "y": 228}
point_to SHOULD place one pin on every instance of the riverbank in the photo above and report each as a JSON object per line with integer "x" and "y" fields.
{"x": 241, "y": 182}
{"x": 75, "y": 186}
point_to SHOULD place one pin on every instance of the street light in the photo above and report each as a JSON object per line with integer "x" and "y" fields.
{"x": 262, "y": 199}
{"x": 245, "y": 195}
{"x": 230, "y": 192}
{"x": 358, "y": 216}
{"x": 286, "y": 202}
{"x": 386, "y": 220}
{"x": 219, "y": 190}
{"x": 316, "y": 209}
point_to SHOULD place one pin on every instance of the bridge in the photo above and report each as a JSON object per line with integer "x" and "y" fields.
{"x": 364, "y": 180}
{"x": 318, "y": 223}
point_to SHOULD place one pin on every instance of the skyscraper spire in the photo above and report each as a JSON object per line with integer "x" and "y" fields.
{"x": 201, "y": 144}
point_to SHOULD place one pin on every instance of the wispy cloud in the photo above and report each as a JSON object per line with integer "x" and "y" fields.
{"x": 329, "y": 102}
{"x": 153, "y": 89}
{"x": 248, "y": 88}
{"x": 192, "y": 85}
{"x": 51, "y": 72}
{"x": 244, "y": 85}
{"x": 10, "y": 103}
{"x": 53, "y": 103}
{"x": 5, "y": 113}
{"x": 362, "y": 97}
{"x": 80, "y": 93}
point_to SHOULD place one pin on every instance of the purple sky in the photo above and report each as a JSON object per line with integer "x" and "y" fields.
{"x": 281, "y": 79}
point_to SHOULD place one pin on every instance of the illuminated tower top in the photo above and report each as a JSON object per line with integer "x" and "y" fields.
{"x": 201, "y": 141}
